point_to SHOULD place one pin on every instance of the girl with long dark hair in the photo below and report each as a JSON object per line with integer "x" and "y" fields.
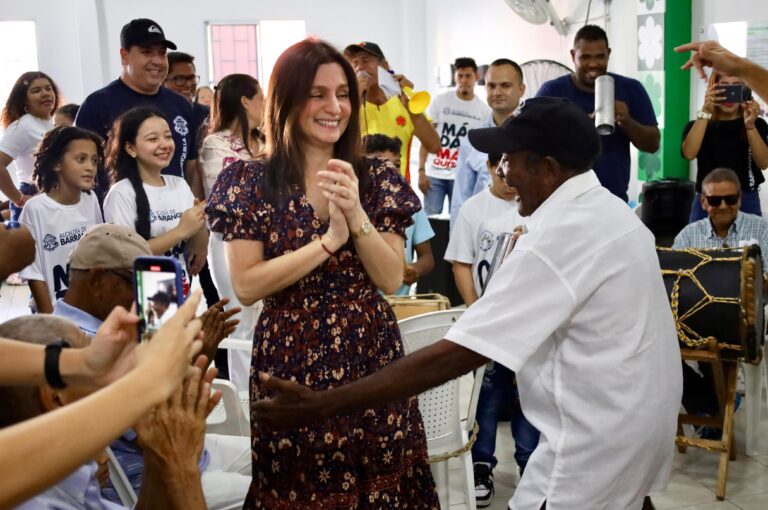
{"x": 161, "y": 208}
{"x": 314, "y": 229}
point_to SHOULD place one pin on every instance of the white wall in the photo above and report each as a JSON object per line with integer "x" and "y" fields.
{"x": 79, "y": 40}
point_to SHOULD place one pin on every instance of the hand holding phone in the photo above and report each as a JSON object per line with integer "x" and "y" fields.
{"x": 158, "y": 292}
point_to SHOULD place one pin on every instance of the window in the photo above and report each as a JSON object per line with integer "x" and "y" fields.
{"x": 18, "y": 53}
{"x": 250, "y": 48}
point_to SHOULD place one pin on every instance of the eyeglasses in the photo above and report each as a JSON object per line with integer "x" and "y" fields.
{"x": 716, "y": 200}
{"x": 180, "y": 81}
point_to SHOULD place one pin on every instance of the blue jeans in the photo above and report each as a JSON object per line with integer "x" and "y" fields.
{"x": 500, "y": 389}
{"x": 434, "y": 199}
{"x": 27, "y": 189}
{"x": 750, "y": 203}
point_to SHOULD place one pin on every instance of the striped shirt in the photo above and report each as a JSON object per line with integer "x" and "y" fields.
{"x": 748, "y": 229}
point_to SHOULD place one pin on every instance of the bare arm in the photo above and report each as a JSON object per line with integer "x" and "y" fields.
{"x": 6, "y": 182}
{"x": 424, "y": 183}
{"x": 645, "y": 138}
{"x": 756, "y": 142}
{"x": 711, "y": 54}
{"x": 382, "y": 255}
{"x": 692, "y": 143}
{"x": 259, "y": 278}
{"x": 41, "y": 296}
{"x": 191, "y": 223}
{"x": 160, "y": 368}
{"x": 428, "y": 367}
{"x": 425, "y": 263}
{"x": 462, "y": 273}
{"x": 20, "y": 242}
{"x": 193, "y": 173}
{"x": 426, "y": 133}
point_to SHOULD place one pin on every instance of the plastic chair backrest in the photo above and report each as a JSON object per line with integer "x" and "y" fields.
{"x": 439, "y": 405}
{"x": 228, "y": 417}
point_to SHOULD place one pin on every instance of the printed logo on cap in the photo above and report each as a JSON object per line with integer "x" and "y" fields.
{"x": 50, "y": 243}
{"x": 180, "y": 125}
{"x": 155, "y": 29}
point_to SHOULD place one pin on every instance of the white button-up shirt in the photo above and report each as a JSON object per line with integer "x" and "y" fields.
{"x": 591, "y": 336}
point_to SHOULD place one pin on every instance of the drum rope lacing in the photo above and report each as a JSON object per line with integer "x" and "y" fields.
{"x": 687, "y": 335}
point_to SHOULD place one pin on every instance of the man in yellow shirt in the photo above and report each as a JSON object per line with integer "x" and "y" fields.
{"x": 388, "y": 116}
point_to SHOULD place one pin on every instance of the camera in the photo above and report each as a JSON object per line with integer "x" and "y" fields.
{"x": 736, "y": 93}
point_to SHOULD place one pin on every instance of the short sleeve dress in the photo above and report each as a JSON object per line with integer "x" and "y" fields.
{"x": 329, "y": 328}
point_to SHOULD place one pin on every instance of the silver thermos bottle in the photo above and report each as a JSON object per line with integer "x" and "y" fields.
{"x": 605, "y": 117}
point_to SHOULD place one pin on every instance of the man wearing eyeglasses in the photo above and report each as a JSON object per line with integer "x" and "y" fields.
{"x": 183, "y": 79}
{"x": 725, "y": 226}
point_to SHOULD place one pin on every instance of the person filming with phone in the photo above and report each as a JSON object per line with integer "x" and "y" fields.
{"x": 728, "y": 133}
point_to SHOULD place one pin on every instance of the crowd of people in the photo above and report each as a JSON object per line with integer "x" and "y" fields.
{"x": 295, "y": 208}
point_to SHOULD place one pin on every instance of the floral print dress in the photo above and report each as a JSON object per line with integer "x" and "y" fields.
{"x": 330, "y": 328}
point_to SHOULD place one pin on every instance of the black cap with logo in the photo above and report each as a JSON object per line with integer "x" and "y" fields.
{"x": 547, "y": 126}
{"x": 367, "y": 47}
{"x": 143, "y": 32}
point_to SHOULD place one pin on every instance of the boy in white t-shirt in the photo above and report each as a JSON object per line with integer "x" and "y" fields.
{"x": 473, "y": 241}
{"x": 453, "y": 113}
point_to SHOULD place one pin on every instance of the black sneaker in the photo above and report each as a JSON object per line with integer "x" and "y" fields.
{"x": 483, "y": 484}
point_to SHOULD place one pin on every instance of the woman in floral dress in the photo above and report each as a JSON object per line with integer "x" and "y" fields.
{"x": 314, "y": 230}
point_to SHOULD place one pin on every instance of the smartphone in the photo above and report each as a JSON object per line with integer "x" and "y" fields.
{"x": 735, "y": 93}
{"x": 159, "y": 292}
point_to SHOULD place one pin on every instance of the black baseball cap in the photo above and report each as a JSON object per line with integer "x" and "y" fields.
{"x": 160, "y": 297}
{"x": 366, "y": 46}
{"x": 143, "y": 32}
{"x": 547, "y": 126}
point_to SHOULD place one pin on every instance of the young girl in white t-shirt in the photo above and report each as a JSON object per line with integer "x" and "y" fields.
{"x": 160, "y": 207}
{"x": 65, "y": 171}
{"x": 26, "y": 117}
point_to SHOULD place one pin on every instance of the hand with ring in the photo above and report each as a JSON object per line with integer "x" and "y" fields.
{"x": 340, "y": 186}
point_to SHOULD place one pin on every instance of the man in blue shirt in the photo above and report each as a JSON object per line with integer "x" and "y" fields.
{"x": 101, "y": 278}
{"x": 504, "y": 87}
{"x": 143, "y": 49}
{"x": 635, "y": 118}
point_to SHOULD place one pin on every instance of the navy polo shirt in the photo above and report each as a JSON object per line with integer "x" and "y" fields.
{"x": 613, "y": 166}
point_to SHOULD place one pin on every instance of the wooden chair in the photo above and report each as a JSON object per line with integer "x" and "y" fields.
{"x": 725, "y": 373}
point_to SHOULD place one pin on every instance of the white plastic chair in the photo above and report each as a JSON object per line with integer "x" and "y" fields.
{"x": 755, "y": 377}
{"x": 440, "y": 406}
{"x": 231, "y": 415}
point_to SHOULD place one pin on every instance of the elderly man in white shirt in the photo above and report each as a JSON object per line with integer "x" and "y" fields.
{"x": 593, "y": 340}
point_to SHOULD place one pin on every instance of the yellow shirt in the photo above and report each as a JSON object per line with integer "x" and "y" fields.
{"x": 391, "y": 119}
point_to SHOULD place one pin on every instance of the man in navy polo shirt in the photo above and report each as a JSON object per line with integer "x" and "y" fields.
{"x": 143, "y": 49}
{"x": 635, "y": 118}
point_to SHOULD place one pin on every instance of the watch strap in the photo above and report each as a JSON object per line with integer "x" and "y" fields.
{"x": 51, "y": 364}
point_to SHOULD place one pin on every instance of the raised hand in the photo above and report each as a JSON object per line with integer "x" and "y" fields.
{"x": 193, "y": 219}
{"x": 711, "y": 54}
{"x": 751, "y": 113}
{"x": 217, "y": 325}
{"x": 340, "y": 185}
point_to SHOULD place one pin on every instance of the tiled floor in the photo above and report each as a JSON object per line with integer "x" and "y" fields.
{"x": 693, "y": 481}
{"x": 691, "y": 487}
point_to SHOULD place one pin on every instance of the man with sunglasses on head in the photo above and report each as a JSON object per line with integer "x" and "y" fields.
{"x": 724, "y": 227}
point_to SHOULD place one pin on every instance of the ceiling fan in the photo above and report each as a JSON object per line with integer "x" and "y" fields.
{"x": 538, "y": 12}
